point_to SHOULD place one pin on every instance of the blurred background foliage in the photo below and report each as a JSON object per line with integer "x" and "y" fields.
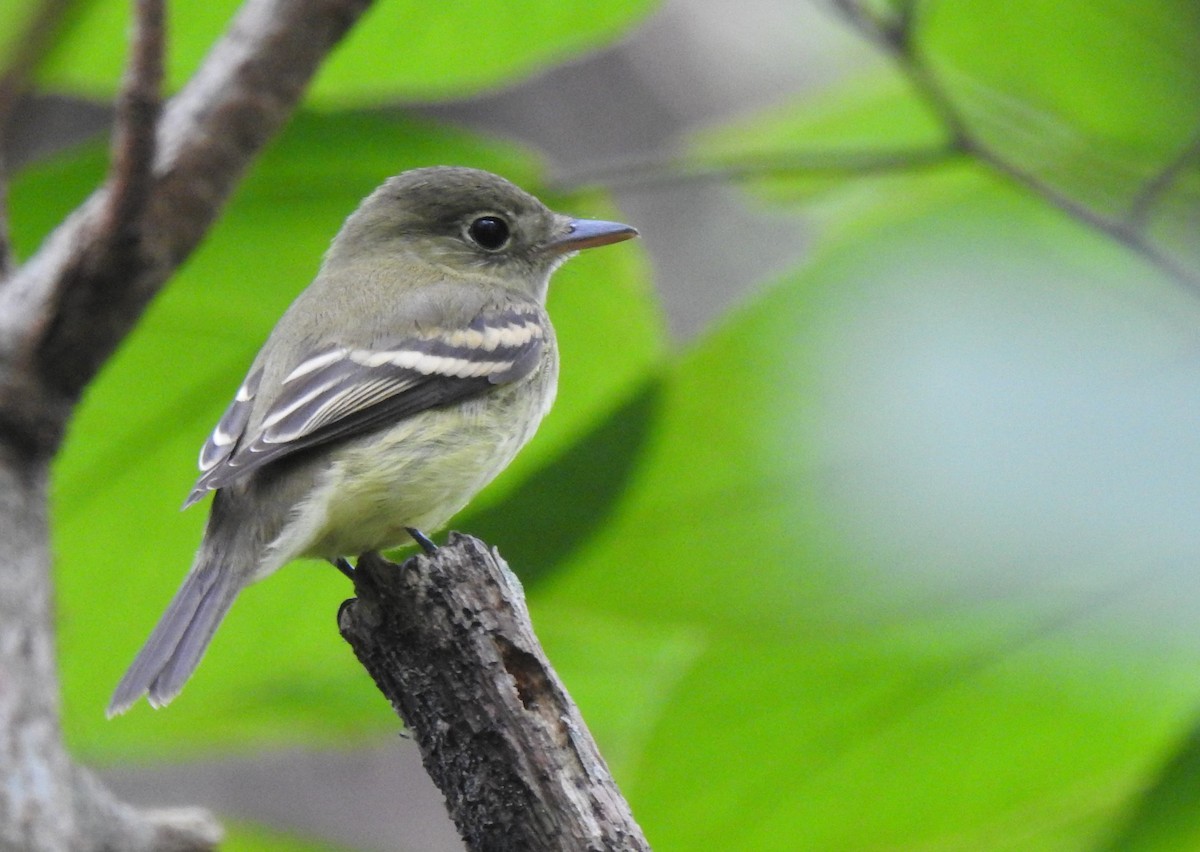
{"x": 898, "y": 552}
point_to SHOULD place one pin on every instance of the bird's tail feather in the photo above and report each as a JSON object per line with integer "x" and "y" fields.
{"x": 179, "y": 640}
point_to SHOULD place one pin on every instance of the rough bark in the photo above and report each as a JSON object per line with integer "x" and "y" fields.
{"x": 448, "y": 640}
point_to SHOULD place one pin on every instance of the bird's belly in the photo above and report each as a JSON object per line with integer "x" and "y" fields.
{"x": 417, "y": 475}
{"x": 378, "y": 493}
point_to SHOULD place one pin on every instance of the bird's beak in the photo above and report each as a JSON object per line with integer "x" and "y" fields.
{"x": 586, "y": 233}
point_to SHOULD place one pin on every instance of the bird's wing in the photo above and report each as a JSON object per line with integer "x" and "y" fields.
{"x": 340, "y": 391}
{"x": 228, "y": 432}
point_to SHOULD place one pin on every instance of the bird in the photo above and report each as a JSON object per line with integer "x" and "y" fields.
{"x": 399, "y": 383}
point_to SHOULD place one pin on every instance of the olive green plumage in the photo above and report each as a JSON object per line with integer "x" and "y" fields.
{"x": 399, "y": 383}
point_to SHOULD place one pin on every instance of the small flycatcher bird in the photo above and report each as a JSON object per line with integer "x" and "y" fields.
{"x": 396, "y": 386}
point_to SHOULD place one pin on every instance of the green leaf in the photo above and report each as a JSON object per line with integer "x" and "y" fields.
{"x": 1165, "y": 815}
{"x": 278, "y": 671}
{"x": 399, "y": 50}
{"x": 918, "y": 643}
{"x": 15, "y": 21}
{"x": 422, "y": 51}
{"x": 1113, "y": 84}
{"x": 825, "y": 684}
{"x": 1096, "y": 100}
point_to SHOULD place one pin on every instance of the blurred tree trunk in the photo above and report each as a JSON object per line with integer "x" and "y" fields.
{"x": 64, "y": 312}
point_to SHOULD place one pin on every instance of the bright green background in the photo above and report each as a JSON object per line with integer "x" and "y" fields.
{"x": 760, "y": 676}
{"x": 399, "y": 50}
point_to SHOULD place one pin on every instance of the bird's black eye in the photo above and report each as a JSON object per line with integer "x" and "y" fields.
{"x": 489, "y": 232}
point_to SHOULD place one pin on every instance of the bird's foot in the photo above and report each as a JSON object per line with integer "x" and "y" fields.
{"x": 423, "y": 540}
{"x": 344, "y": 566}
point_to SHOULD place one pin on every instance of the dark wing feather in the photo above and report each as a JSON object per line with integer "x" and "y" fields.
{"x": 340, "y": 392}
{"x": 224, "y": 438}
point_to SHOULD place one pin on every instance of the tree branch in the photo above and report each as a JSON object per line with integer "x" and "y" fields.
{"x": 1158, "y": 185}
{"x": 62, "y": 315}
{"x": 448, "y": 640}
{"x": 41, "y": 25}
{"x": 27, "y": 49}
{"x": 790, "y": 164}
{"x": 134, "y": 136}
{"x": 66, "y": 310}
{"x": 896, "y": 35}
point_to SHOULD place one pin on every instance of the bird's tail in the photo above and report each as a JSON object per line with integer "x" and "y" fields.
{"x": 179, "y": 640}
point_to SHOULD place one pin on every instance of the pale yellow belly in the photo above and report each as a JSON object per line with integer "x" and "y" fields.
{"x": 418, "y": 474}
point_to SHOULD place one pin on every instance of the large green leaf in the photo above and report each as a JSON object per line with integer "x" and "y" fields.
{"x": 399, "y": 50}
{"x": 840, "y": 662}
{"x": 1165, "y": 816}
{"x": 123, "y": 546}
{"x": 1094, "y": 99}
{"x": 933, "y": 585}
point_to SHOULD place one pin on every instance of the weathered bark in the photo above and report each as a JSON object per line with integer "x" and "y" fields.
{"x": 448, "y": 640}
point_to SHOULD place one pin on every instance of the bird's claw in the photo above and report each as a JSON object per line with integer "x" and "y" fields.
{"x": 423, "y": 540}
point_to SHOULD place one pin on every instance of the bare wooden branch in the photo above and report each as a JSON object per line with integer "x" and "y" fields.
{"x": 135, "y": 131}
{"x": 448, "y": 640}
{"x": 27, "y": 48}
